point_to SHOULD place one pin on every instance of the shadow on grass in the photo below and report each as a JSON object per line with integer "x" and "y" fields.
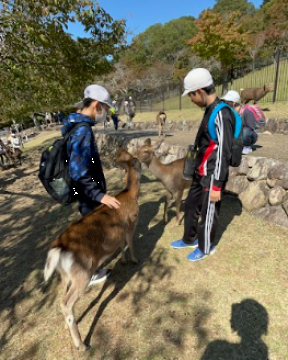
{"x": 230, "y": 207}
{"x": 145, "y": 240}
{"x": 250, "y": 320}
{"x": 29, "y": 224}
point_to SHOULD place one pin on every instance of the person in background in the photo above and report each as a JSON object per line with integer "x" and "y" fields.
{"x": 60, "y": 117}
{"x": 114, "y": 114}
{"x": 250, "y": 136}
{"x": 15, "y": 141}
{"x": 85, "y": 166}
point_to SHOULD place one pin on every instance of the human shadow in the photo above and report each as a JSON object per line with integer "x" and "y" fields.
{"x": 230, "y": 207}
{"x": 145, "y": 239}
{"x": 250, "y": 320}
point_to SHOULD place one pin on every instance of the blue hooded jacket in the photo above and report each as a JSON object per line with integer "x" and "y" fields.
{"x": 85, "y": 165}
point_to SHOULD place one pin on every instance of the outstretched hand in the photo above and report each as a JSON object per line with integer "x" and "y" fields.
{"x": 110, "y": 201}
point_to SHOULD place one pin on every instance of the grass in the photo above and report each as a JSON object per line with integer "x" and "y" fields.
{"x": 277, "y": 110}
{"x": 163, "y": 308}
{"x": 254, "y": 79}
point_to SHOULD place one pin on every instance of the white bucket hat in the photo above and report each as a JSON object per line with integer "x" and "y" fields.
{"x": 95, "y": 92}
{"x": 198, "y": 78}
{"x": 233, "y": 96}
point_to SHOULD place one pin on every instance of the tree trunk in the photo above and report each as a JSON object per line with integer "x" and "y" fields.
{"x": 225, "y": 82}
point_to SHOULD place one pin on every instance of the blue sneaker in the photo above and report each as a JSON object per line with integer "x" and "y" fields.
{"x": 197, "y": 254}
{"x": 180, "y": 244}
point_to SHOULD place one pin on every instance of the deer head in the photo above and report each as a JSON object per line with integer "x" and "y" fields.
{"x": 145, "y": 153}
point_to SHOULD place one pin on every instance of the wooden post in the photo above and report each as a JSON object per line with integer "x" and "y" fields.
{"x": 277, "y": 74}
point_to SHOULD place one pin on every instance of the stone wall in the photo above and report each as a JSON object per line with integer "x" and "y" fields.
{"x": 273, "y": 126}
{"x": 260, "y": 183}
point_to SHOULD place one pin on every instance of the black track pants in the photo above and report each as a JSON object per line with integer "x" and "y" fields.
{"x": 201, "y": 216}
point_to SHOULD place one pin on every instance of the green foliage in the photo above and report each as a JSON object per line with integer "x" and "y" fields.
{"x": 42, "y": 66}
{"x": 161, "y": 42}
{"x": 226, "y": 7}
{"x": 218, "y": 38}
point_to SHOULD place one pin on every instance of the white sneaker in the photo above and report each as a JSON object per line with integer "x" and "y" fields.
{"x": 99, "y": 276}
{"x": 247, "y": 150}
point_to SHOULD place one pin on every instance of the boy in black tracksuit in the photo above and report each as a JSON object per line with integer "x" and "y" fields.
{"x": 211, "y": 169}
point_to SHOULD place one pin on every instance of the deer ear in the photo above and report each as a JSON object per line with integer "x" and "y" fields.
{"x": 147, "y": 142}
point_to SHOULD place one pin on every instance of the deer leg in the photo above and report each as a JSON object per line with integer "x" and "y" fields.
{"x": 169, "y": 197}
{"x": 76, "y": 289}
{"x": 129, "y": 240}
{"x": 123, "y": 258}
{"x": 178, "y": 199}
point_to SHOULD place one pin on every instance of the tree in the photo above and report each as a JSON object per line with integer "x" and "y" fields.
{"x": 226, "y": 7}
{"x": 221, "y": 39}
{"x": 160, "y": 42}
{"x": 275, "y": 17}
{"x": 42, "y": 67}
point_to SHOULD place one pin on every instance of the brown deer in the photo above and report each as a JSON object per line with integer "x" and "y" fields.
{"x": 87, "y": 243}
{"x": 171, "y": 176}
{"x": 255, "y": 94}
{"x": 160, "y": 120}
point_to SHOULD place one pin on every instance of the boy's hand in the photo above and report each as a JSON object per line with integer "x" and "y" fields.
{"x": 110, "y": 201}
{"x": 215, "y": 196}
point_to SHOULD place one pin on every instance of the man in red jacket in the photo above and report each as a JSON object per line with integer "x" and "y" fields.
{"x": 212, "y": 160}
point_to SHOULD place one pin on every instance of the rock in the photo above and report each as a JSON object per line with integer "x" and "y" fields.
{"x": 237, "y": 184}
{"x": 285, "y": 206}
{"x": 283, "y": 183}
{"x": 267, "y": 133}
{"x": 260, "y": 170}
{"x": 164, "y": 149}
{"x": 254, "y": 196}
{"x": 273, "y": 214}
{"x": 173, "y": 150}
{"x": 277, "y": 196}
{"x": 168, "y": 159}
{"x": 271, "y": 126}
{"x": 181, "y": 152}
{"x": 252, "y": 160}
{"x": 243, "y": 168}
{"x": 278, "y": 171}
{"x": 271, "y": 182}
{"x": 233, "y": 171}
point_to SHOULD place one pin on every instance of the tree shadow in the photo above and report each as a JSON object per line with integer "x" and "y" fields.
{"x": 250, "y": 320}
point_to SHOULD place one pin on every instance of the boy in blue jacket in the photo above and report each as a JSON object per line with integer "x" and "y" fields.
{"x": 85, "y": 166}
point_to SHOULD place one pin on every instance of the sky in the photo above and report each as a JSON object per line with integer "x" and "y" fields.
{"x": 140, "y": 14}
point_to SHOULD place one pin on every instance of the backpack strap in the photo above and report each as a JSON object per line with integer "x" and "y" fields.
{"x": 212, "y": 126}
{"x": 84, "y": 123}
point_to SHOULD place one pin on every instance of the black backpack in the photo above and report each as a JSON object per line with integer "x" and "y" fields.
{"x": 54, "y": 170}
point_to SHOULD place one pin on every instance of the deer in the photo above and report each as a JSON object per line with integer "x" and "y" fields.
{"x": 171, "y": 176}
{"x": 160, "y": 121}
{"x": 255, "y": 94}
{"x": 88, "y": 242}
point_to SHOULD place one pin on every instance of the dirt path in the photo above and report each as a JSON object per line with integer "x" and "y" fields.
{"x": 163, "y": 308}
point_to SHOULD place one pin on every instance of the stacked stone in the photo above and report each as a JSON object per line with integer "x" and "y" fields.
{"x": 260, "y": 183}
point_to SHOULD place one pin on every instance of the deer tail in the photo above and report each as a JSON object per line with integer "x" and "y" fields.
{"x": 51, "y": 262}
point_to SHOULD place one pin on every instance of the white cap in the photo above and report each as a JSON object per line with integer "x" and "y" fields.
{"x": 198, "y": 78}
{"x": 96, "y": 92}
{"x": 233, "y": 96}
